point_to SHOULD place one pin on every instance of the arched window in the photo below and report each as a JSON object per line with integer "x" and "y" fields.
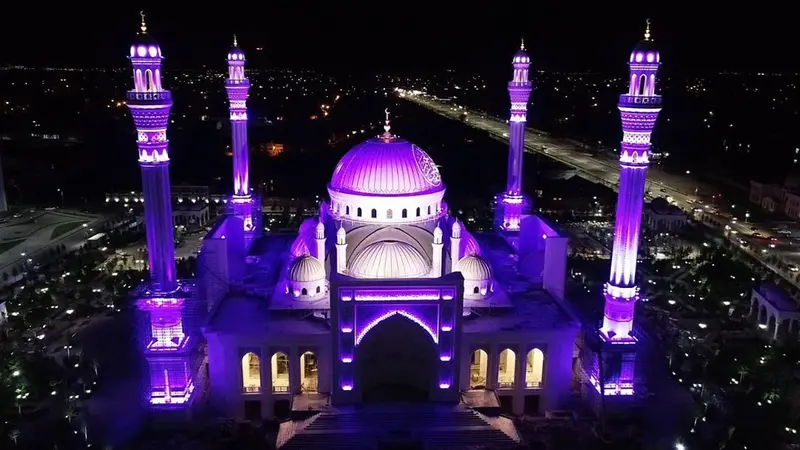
{"x": 505, "y": 370}
{"x": 652, "y": 85}
{"x": 150, "y": 85}
{"x": 319, "y": 289}
{"x": 358, "y": 212}
{"x": 251, "y": 372}
{"x": 280, "y": 372}
{"x": 374, "y": 213}
{"x": 304, "y": 291}
{"x": 633, "y": 84}
{"x": 429, "y": 210}
{"x": 309, "y": 381}
{"x": 533, "y": 368}
{"x": 478, "y": 369}
{"x": 404, "y": 213}
{"x": 476, "y": 290}
{"x": 642, "y": 84}
{"x": 347, "y": 210}
{"x": 419, "y": 212}
{"x": 388, "y": 213}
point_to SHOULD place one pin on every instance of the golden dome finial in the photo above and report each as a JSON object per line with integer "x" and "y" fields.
{"x": 647, "y": 30}
{"x": 235, "y": 42}
{"x": 144, "y": 25}
{"x": 522, "y": 43}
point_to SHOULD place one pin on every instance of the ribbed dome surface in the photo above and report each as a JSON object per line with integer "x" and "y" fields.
{"x": 382, "y": 166}
{"x": 306, "y": 268}
{"x": 474, "y": 268}
{"x": 389, "y": 259}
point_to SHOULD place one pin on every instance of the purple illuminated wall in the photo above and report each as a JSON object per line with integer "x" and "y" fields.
{"x": 150, "y": 105}
{"x": 237, "y": 86}
{"x": 639, "y": 110}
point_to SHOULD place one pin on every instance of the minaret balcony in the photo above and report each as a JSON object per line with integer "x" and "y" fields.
{"x": 639, "y": 100}
{"x": 135, "y": 96}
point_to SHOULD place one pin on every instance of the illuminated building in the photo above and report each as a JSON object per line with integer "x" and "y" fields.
{"x": 168, "y": 305}
{"x": 612, "y": 363}
{"x": 386, "y": 288}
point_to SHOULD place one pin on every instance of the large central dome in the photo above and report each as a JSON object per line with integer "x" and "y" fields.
{"x": 386, "y": 166}
{"x": 389, "y": 259}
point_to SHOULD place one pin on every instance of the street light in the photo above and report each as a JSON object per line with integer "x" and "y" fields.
{"x": 61, "y": 191}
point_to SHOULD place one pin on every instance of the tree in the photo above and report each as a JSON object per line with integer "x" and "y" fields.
{"x": 14, "y": 435}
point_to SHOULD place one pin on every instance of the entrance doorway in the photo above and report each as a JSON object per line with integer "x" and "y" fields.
{"x": 396, "y": 362}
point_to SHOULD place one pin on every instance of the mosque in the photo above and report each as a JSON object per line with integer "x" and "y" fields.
{"x": 384, "y": 296}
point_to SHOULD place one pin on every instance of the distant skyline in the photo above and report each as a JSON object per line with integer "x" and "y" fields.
{"x": 358, "y": 36}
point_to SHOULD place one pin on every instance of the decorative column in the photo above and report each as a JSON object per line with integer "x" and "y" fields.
{"x": 455, "y": 245}
{"x": 320, "y": 238}
{"x": 436, "y": 270}
{"x": 341, "y": 250}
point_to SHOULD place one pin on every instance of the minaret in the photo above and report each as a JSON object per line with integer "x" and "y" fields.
{"x": 639, "y": 110}
{"x": 455, "y": 245}
{"x": 341, "y": 250}
{"x": 320, "y": 238}
{"x": 150, "y": 105}
{"x": 519, "y": 90}
{"x": 170, "y": 331}
{"x": 436, "y": 269}
{"x": 237, "y": 87}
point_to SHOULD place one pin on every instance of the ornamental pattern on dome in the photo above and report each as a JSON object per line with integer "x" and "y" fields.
{"x": 427, "y": 166}
{"x": 386, "y": 167}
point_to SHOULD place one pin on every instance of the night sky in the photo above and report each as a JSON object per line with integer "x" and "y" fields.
{"x": 404, "y": 36}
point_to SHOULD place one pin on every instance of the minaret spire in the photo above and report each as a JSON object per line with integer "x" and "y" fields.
{"x": 522, "y": 44}
{"x": 387, "y": 134}
{"x": 235, "y": 43}
{"x": 647, "y": 30}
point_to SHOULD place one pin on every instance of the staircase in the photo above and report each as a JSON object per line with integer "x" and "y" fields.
{"x": 367, "y": 427}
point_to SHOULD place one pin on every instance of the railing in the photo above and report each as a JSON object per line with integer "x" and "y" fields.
{"x": 626, "y": 99}
{"x": 252, "y": 389}
{"x": 505, "y": 385}
{"x": 280, "y": 388}
{"x": 145, "y": 96}
{"x": 533, "y": 384}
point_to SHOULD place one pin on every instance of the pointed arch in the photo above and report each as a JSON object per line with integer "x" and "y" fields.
{"x": 478, "y": 369}
{"x": 280, "y": 372}
{"x": 506, "y": 369}
{"x": 534, "y": 368}
{"x": 251, "y": 372}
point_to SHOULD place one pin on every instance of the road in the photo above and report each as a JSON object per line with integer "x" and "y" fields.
{"x": 602, "y": 168}
{"x": 684, "y": 191}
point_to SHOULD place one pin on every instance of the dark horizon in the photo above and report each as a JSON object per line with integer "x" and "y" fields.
{"x": 384, "y": 37}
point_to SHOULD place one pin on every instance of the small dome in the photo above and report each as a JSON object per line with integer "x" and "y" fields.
{"x": 386, "y": 166}
{"x": 306, "y": 269}
{"x": 320, "y": 230}
{"x": 389, "y": 259}
{"x": 437, "y": 232}
{"x": 474, "y": 268}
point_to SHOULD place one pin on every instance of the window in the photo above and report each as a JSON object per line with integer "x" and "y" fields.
{"x": 358, "y": 212}
{"x": 429, "y": 210}
{"x": 476, "y": 290}
{"x": 319, "y": 289}
{"x": 280, "y": 372}
{"x": 404, "y": 213}
{"x": 251, "y": 372}
{"x": 388, "y": 213}
{"x": 347, "y": 210}
{"x": 309, "y": 381}
{"x": 478, "y": 369}
{"x": 374, "y": 214}
{"x": 304, "y": 291}
{"x": 533, "y": 368}
{"x": 419, "y": 212}
{"x": 505, "y": 370}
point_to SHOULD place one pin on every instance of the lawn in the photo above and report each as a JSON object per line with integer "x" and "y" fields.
{"x": 8, "y": 245}
{"x": 64, "y": 228}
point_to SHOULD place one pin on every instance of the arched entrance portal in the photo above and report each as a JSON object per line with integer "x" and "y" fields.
{"x": 396, "y": 361}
